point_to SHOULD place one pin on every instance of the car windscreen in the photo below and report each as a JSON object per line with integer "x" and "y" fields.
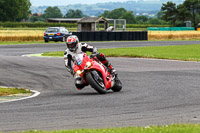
{"x": 52, "y": 30}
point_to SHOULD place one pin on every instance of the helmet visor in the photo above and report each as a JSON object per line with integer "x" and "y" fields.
{"x": 72, "y": 46}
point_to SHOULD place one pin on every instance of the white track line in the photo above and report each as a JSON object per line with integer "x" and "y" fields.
{"x": 40, "y": 56}
{"x": 36, "y": 93}
{"x": 32, "y": 55}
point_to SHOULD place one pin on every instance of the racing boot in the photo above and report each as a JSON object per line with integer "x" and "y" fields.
{"x": 112, "y": 69}
{"x": 80, "y": 83}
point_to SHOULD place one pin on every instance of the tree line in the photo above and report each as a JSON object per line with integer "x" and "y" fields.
{"x": 14, "y": 10}
{"x": 55, "y": 12}
{"x": 189, "y": 10}
{"x": 119, "y": 13}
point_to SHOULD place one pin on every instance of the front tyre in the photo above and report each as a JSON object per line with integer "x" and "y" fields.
{"x": 96, "y": 81}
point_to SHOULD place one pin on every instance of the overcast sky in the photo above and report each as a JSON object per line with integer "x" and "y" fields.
{"x": 67, "y": 2}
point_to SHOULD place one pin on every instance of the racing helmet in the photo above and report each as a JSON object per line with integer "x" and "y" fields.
{"x": 72, "y": 43}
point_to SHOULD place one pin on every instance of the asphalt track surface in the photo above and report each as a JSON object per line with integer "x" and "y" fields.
{"x": 155, "y": 92}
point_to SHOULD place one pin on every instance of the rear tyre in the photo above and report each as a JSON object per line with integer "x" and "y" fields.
{"x": 46, "y": 40}
{"x": 96, "y": 81}
{"x": 118, "y": 85}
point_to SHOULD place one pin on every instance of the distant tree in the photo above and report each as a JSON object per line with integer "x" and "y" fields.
{"x": 117, "y": 13}
{"x": 52, "y": 12}
{"x": 169, "y": 12}
{"x": 142, "y": 19}
{"x": 197, "y": 20}
{"x": 105, "y": 14}
{"x": 37, "y": 18}
{"x": 182, "y": 15}
{"x": 193, "y": 6}
{"x": 14, "y": 10}
{"x": 114, "y": 14}
{"x": 120, "y": 13}
{"x": 156, "y": 21}
{"x": 130, "y": 18}
{"x": 160, "y": 14}
{"x": 74, "y": 14}
{"x": 176, "y": 15}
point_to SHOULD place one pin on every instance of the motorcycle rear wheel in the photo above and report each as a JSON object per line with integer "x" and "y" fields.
{"x": 94, "y": 83}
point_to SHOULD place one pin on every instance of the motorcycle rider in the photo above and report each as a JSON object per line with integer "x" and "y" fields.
{"x": 74, "y": 48}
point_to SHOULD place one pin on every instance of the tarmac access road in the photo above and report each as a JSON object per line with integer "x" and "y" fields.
{"x": 154, "y": 91}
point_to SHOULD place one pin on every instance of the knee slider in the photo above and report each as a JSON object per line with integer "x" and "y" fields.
{"x": 101, "y": 57}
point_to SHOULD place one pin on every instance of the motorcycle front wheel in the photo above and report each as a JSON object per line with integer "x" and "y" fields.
{"x": 96, "y": 81}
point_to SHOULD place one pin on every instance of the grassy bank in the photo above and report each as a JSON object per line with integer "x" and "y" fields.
{"x": 12, "y": 91}
{"x": 179, "y": 128}
{"x": 180, "y": 52}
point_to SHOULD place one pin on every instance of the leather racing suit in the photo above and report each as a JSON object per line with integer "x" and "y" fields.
{"x": 69, "y": 58}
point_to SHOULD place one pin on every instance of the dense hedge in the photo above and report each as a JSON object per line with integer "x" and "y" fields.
{"x": 68, "y": 25}
{"x": 137, "y": 25}
{"x": 33, "y": 25}
{"x": 144, "y": 25}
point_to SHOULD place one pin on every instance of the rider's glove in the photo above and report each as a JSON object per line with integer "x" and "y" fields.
{"x": 95, "y": 51}
{"x": 94, "y": 54}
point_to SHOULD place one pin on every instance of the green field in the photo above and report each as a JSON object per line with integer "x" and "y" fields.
{"x": 12, "y": 91}
{"x": 178, "y": 52}
{"x": 179, "y": 128}
{"x": 20, "y": 42}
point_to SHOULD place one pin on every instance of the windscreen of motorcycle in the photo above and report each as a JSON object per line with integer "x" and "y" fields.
{"x": 79, "y": 59}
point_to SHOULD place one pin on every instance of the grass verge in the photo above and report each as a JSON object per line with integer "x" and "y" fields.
{"x": 12, "y": 91}
{"x": 180, "y": 52}
{"x": 178, "y": 128}
{"x": 19, "y": 42}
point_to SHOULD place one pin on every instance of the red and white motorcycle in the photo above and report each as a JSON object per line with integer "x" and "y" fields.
{"x": 94, "y": 73}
